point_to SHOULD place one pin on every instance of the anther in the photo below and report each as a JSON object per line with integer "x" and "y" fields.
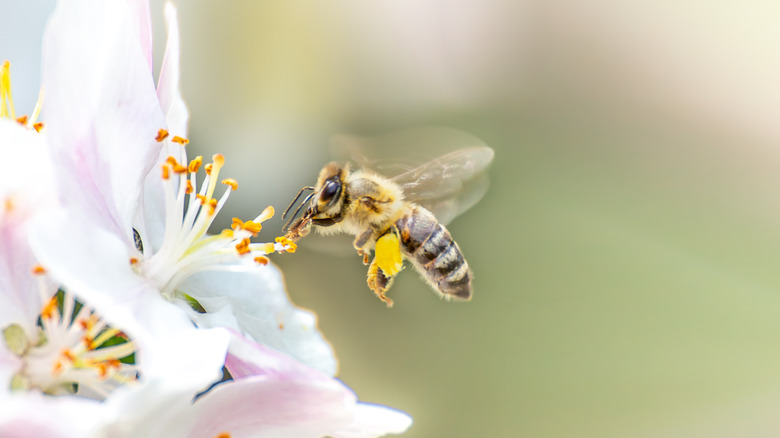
{"x": 38, "y": 126}
{"x": 261, "y": 260}
{"x": 243, "y": 246}
{"x": 231, "y": 182}
{"x": 195, "y": 164}
{"x": 38, "y": 270}
{"x": 161, "y": 135}
{"x": 182, "y": 141}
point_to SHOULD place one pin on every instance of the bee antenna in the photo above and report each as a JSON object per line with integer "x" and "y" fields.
{"x": 284, "y": 215}
{"x": 305, "y": 201}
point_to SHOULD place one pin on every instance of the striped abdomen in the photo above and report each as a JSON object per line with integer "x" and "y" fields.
{"x": 429, "y": 246}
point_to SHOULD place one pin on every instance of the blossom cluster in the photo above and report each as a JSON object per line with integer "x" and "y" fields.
{"x": 121, "y": 315}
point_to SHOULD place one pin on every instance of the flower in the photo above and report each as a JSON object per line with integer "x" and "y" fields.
{"x": 52, "y": 345}
{"x": 271, "y": 395}
{"x": 131, "y": 233}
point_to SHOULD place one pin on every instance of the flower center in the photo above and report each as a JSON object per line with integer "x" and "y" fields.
{"x": 7, "y": 109}
{"x": 189, "y": 212}
{"x": 73, "y": 352}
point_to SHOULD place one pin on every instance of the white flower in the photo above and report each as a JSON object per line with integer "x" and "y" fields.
{"x": 53, "y": 346}
{"x": 131, "y": 237}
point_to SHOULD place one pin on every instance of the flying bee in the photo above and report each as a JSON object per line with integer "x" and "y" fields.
{"x": 389, "y": 217}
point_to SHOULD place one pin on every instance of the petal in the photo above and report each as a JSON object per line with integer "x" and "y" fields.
{"x": 32, "y": 414}
{"x": 171, "y": 101}
{"x": 263, "y": 311}
{"x": 374, "y": 420}
{"x": 102, "y": 109}
{"x": 26, "y": 189}
{"x": 94, "y": 265}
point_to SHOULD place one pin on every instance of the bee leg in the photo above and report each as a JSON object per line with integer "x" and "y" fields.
{"x": 379, "y": 282}
{"x": 360, "y": 243}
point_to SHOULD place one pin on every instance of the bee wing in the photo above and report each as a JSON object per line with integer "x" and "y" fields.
{"x": 448, "y": 185}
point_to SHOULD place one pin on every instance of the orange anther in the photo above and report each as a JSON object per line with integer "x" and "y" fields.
{"x": 67, "y": 354}
{"x": 22, "y": 120}
{"x": 237, "y": 223}
{"x": 243, "y": 246}
{"x": 166, "y": 171}
{"x": 38, "y": 126}
{"x": 189, "y": 188}
{"x": 223, "y": 435}
{"x": 161, "y": 135}
{"x": 201, "y": 198}
{"x": 38, "y": 270}
{"x": 252, "y": 227}
{"x": 261, "y": 260}
{"x": 212, "y": 206}
{"x": 195, "y": 164}
{"x": 57, "y": 368}
{"x": 133, "y": 261}
{"x": 182, "y": 141}
{"x": 231, "y": 182}
{"x": 207, "y": 168}
{"x": 49, "y": 308}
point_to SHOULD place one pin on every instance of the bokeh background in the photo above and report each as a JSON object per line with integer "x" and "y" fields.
{"x": 626, "y": 255}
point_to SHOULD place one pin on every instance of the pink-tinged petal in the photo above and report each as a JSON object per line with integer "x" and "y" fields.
{"x": 263, "y": 407}
{"x": 143, "y": 21}
{"x": 101, "y": 108}
{"x": 26, "y": 189}
{"x": 168, "y": 88}
{"x": 260, "y": 305}
{"x": 30, "y": 414}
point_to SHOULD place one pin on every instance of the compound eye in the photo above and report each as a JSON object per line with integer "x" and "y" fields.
{"x": 329, "y": 191}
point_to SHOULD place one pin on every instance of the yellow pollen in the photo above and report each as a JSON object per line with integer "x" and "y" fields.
{"x": 195, "y": 163}
{"x": 291, "y": 246}
{"x": 38, "y": 126}
{"x": 208, "y": 169}
{"x": 22, "y": 120}
{"x": 212, "y": 206}
{"x": 231, "y": 182}
{"x": 48, "y": 310}
{"x": 38, "y": 270}
{"x": 201, "y": 198}
{"x": 261, "y": 260}
{"x": 237, "y": 223}
{"x": 189, "y": 188}
{"x": 166, "y": 172}
{"x": 161, "y": 135}
{"x": 243, "y": 246}
{"x": 181, "y": 140}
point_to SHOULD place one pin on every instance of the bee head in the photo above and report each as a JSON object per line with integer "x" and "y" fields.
{"x": 330, "y": 190}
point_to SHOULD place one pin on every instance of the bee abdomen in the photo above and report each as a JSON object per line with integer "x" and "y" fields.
{"x": 430, "y": 248}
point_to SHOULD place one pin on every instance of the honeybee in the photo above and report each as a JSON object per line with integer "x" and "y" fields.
{"x": 388, "y": 215}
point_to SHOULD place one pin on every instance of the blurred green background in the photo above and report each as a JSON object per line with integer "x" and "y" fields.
{"x": 626, "y": 256}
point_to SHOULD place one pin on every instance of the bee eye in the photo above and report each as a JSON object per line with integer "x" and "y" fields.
{"x": 330, "y": 190}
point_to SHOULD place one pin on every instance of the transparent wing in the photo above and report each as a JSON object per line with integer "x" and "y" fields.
{"x": 448, "y": 185}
